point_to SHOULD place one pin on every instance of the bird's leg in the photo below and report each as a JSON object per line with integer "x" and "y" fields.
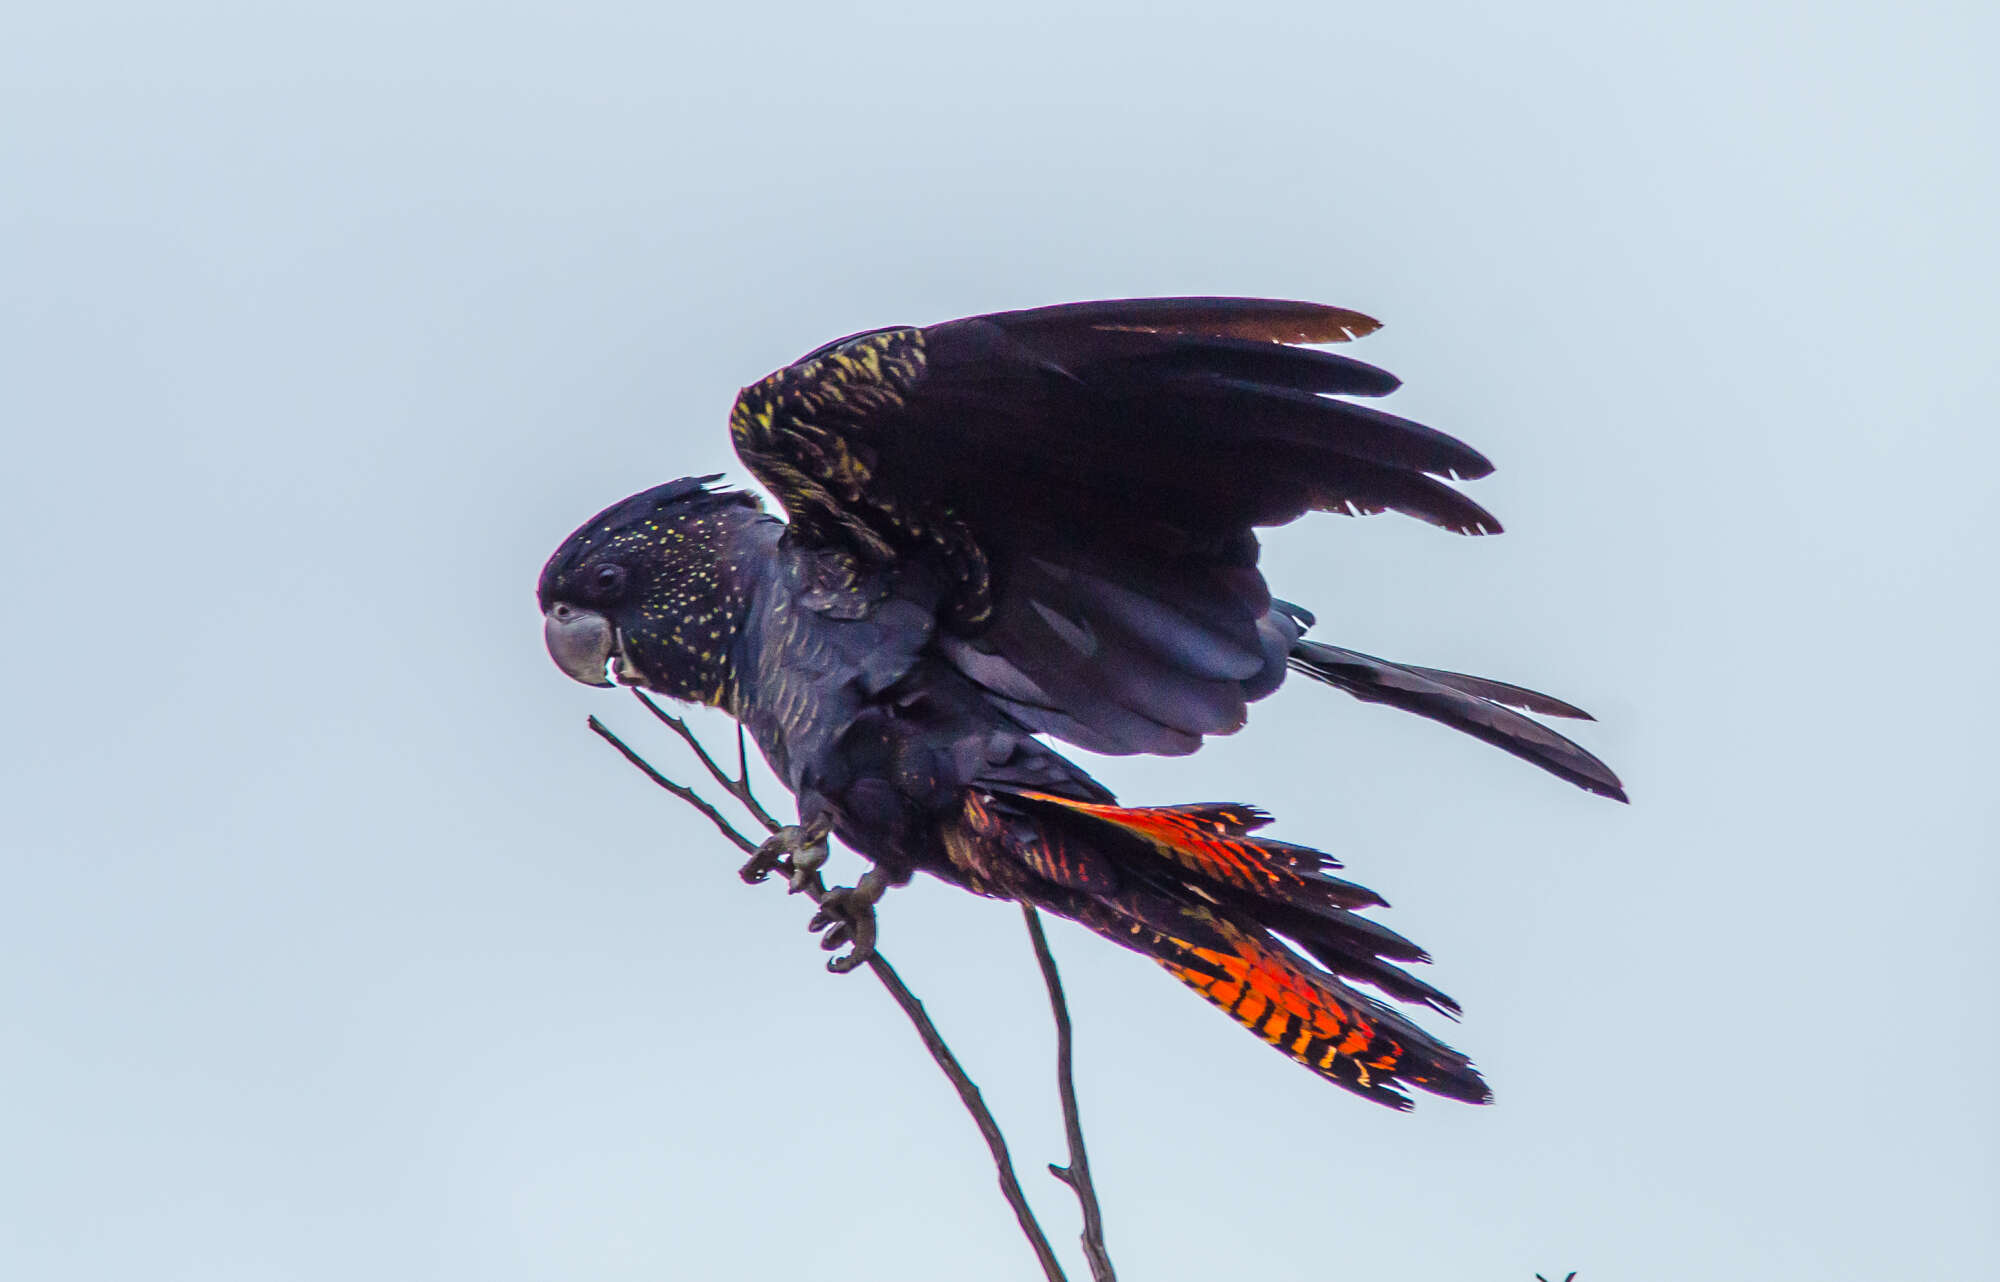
{"x": 850, "y": 911}
{"x": 799, "y": 849}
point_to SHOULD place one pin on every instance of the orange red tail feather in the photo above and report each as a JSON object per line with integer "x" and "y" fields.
{"x": 1190, "y": 887}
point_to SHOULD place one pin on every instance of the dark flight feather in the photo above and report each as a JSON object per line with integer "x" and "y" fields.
{"x": 1214, "y": 406}
{"x": 1129, "y": 358}
{"x": 1462, "y": 704}
{"x": 1500, "y": 692}
{"x": 1267, "y": 319}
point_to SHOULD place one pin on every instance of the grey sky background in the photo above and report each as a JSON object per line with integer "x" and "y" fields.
{"x": 332, "y": 946}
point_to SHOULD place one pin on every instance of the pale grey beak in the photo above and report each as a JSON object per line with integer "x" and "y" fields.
{"x": 580, "y": 641}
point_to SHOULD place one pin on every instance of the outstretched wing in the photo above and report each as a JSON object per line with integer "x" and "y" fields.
{"x": 1086, "y": 480}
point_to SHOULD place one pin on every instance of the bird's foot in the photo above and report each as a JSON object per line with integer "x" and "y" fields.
{"x": 849, "y": 912}
{"x": 799, "y": 850}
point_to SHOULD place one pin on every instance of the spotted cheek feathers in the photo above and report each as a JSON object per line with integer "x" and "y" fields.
{"x": 681, "y": 629}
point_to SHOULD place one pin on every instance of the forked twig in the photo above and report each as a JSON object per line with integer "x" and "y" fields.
{"x": 737, "y": 787}
{"x": 968, "y": 1092}
{"x": 682, "y": 791}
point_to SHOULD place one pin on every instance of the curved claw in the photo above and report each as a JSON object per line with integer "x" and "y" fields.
{"x": 760, "y": 865}
{"x": 850, "y": 913}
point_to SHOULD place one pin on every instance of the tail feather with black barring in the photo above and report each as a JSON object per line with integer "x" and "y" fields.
{"x": 1258, "y": 927}
{"x": 1270, "y": 990}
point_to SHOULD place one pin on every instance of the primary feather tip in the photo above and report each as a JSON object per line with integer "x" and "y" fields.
{"x": 1269, "y": 320}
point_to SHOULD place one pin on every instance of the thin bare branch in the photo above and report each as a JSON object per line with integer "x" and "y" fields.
{"x": 685, "y": 793}
{"x": 738, "y": 787}
{"x": 815, "y": 889}
{"x": 1010, "y": 1186}
{"x": 1077, "y": 1173}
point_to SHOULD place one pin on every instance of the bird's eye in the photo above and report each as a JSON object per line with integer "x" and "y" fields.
{"x": 606, "y": 580}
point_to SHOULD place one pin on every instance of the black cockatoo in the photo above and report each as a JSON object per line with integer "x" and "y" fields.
{"x": 1041, "y": 525}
